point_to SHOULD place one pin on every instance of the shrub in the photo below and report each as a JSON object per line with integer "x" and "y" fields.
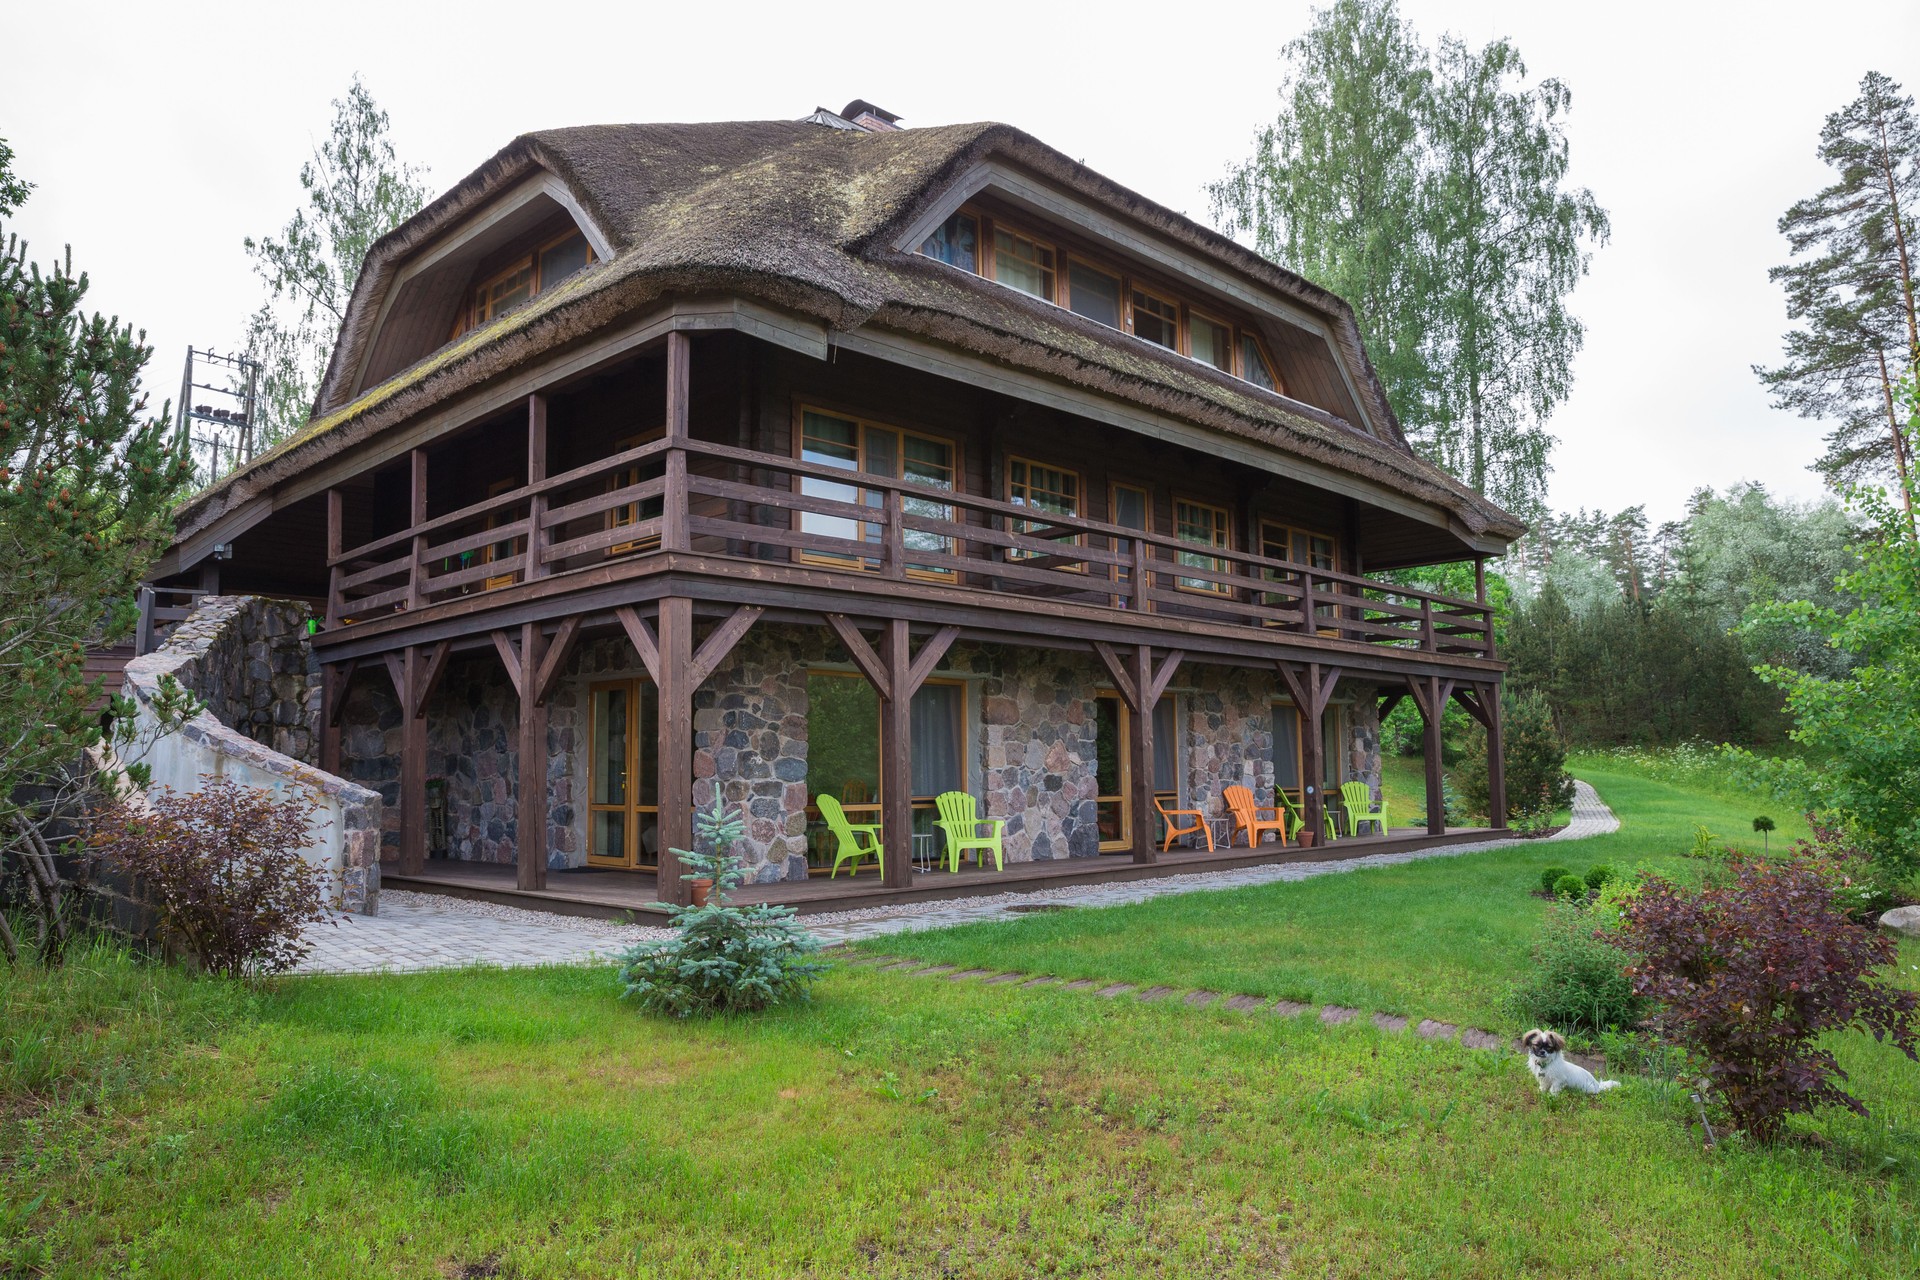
{"x": 1860, "y": 883}
{"x": 1749, "y": 974}
{"x": 723, "y": 959}
{"x": 1551, "y": 876}
{"x": 1578, "y": 980}
{"x": 1705, "y": 843}
{"x": 222, "y": 869}
{"x": 1571, "y": 888}
{"x": 1537, "y": 778}
{"x": 1599, "y": 875}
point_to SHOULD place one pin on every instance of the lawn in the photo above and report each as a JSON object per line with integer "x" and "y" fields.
{"x": 527, "y": 1124}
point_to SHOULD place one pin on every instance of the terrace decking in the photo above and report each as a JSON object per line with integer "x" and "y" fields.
{"x": 611, "y": 894}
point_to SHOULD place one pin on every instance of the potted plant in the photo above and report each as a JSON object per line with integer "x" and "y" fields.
{"x": 718, "y": 828}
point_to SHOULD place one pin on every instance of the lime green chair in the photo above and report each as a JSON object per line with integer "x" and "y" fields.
{"x": 960, "y": 822}
{"x": 1357, "y": 799}
{"x": 853, "y": 841}
{"x": 1296, "y": 819}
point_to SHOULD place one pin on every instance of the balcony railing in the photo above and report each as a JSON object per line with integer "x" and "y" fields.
{"x": 690, "y": 496}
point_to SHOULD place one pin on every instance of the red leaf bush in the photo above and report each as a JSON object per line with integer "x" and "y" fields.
{"x": 1749, "y": 972}
{"x": 222, "y": 868}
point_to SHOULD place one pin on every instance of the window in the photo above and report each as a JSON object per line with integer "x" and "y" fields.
{"x": 1094, "y": 294}
{"x": 1023, "y": 264}
{"x": 1286, "y": 749}
{"x": 857, "y": 447}
{"x": 1316, "y": 550}
{"x": 1127, "y": 506}
{"x": 542, "y": 268}
{"x": 633, "y": 512}
{"x": 1253, "y": 364}
{"x": 1156, "y": 320}
{"x": 956, "y": 242}
{"x": 1209, "y": 342}
{"x": 623, "y": 799}
{"x": 844, "y": 746}
{"x": 1110, "y": 772}
{"x": 1203, "y": 526}
{"x": 501, "y": 551}
{"x": 1047, "y": 489}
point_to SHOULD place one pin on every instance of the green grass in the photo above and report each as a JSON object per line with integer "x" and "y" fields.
{"x": 527, "y": 1124}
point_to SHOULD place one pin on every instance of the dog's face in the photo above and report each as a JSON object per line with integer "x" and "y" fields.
{"x": 1543, "y": 1045}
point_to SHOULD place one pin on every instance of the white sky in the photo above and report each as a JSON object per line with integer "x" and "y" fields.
{"x": 158, "y": 140}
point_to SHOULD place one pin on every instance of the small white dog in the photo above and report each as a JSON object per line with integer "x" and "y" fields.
{"x": 1547, "y": 1059}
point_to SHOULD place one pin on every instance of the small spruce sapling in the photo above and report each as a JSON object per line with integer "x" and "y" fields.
{"x": 722, "y": 958}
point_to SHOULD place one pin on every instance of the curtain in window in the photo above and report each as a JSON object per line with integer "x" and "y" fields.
{"x": 935, "y": 729}
{"x": 1166, "y": 746}
{"x": 1286, "y": 747}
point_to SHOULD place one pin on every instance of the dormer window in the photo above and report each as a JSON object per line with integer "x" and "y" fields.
{"x": 1253, "y": 364}
{"x": 540, "y": 268}
{"x": 1023, "y": 264}
{"x": 1210, "y": 342}
{"x": 1094, "y": 294}
{"x": 956, "y": 242}
{"x": 1156, "y": 319}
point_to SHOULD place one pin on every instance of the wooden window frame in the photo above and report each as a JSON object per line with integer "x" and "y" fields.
{"x": 1291, "y": 530}
{"x": 1122, "y": 726}
{"x": 1224, "y": 526}
{"x": 1079, "y": 513}
{"x": 1266, "y": 356}
{"x": 470, "y": 318}
{"x": 871, "y": 564}
{"x": 915, "y": 803}
{"x": 992, "y": 230}
{"x": 1194, "y": 313}
{"x": 979, "y": 242}
{"x": 1123, "y": 294}
{"x": 1179, "y": 329}
{"x": 491, "y": 551}
{"x": 630, "y": 859}
{"x": 1116, "y": 572}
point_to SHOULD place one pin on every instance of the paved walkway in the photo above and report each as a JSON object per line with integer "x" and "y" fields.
{"x": 424, "y": 931}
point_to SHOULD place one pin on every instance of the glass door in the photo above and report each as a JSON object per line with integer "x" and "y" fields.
{"x": 623, "y": 798}
{"x": 1111, "y": 771}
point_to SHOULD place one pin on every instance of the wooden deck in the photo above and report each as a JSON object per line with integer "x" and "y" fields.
{"x": 611, "y": 894}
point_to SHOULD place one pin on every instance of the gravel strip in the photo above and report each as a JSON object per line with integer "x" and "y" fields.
{"x": 520, "y": 915}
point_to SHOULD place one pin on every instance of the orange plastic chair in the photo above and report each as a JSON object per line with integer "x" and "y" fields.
{"x": 1247, "y": 818}
{"x": 1174, "y": 830}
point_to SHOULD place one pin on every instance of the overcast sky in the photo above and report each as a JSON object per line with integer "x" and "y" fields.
{"x": 160, "y": 136}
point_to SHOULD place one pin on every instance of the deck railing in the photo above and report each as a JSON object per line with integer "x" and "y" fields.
{"x": 685, "y": 495}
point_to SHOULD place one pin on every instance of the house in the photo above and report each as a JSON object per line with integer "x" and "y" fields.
{"x": 833, "y": 457}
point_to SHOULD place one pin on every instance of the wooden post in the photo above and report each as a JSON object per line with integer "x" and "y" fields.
{"x": 335, "y": 572}
{"x": 536, "y": 472}
{"x": 1431, "y": 700}
{"x": 1480, "y": 594}
{"x": 417, "y": 512}
{"x": 1140, "y": 757}
{"x": 413, "y": 764}
{"x": 530, "y": 822}
{"x": 893, "y": 559}
{"x": 675, "y": 684}
{"x": 896, "y": 750}
{"x": 673, "y": 524}
{"x": 1496, "y": 755}
{"x": 1311, "y": 695}
{"x": 330, "y": 696}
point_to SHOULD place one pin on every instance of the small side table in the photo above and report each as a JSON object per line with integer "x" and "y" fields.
{"x": 1222, "y": 829}
{"x": 925, "y": 850}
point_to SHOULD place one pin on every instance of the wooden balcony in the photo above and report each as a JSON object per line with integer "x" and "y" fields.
{"x": 723, "y": 503}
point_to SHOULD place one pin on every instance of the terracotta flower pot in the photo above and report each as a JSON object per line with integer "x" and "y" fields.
{"x": 1305, "y": 838}
{"x": 701, "y": 888}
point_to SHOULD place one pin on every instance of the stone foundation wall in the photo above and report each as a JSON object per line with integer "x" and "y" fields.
{"x": 1037, "y": 733}
{"x": 248, "y": 659}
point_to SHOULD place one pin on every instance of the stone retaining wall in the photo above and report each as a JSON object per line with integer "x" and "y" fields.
{"x": 248, "y": 659}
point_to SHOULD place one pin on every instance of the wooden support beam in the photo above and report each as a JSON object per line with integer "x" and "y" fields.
{"x": 417, "y": 516}
{"x": 413, "y": 767}
{"x": 1162, "y": 676}
{"x": 510, "y": 659}
{"x": 1140, "y": 753}
{"x": 335, "y": 533}
{"x": 675, "y": 784}
{"x": 336, "y": 677}
{"x": 721, "y": 641}
{"x": 1117, "y": 670}
{"x": 537, "y": 537}
{"x": 861, "y": 652}
{"x": 1475, "y": 705}
{"x": 673, "y": 522}
{"x": 397, "y": 672}
{"x": 559, "y": 649}
{"x": 1430, "y": 694}
{"x": 436, "y": 666}
{"x": 641, "y": 636}
{"x": 932, "y": 649}
{"x": 896, "y": 773}
{"x": 530, "y": 823}
{"x": 1496, "y": 755}
{"x": 1388, "y": 703}
{"x": 1312, "y": 689}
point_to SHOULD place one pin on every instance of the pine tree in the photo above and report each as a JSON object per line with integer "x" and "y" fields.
{"x": 357, "y": 191}
{"x": 1851, "y": 288}
{"x": 87, "y": 480}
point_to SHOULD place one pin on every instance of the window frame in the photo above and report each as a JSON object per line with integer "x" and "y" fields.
{"x": 1292, "y": 531}
{"x": 514, "y": 545}
{"x": 1117, "y": 573}
{"x": 630, "y": 859}
{"x": 1260, "y": 346}
{"x": 1223, "y": 527}
{"x": 956, "y": 466}
{"x": 1122, "y": 299}
{"x": 630, "y": 475}
{"x": 917, "y": 804}
{"x": 470, "y": 319}
{"x": 1133, "y": 327}
{"x": 1199, "y": 314}
{"x": 979, "y": 242}
{"x": 992, "y": 257}
{"x": 1078, "y": 513}
{"x": 1122, "y": 730}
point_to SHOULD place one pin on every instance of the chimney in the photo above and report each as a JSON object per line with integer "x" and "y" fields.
{"x": 865, "y": 115}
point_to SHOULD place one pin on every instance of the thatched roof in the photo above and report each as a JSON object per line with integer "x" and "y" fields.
{"x": 802, "y": 217}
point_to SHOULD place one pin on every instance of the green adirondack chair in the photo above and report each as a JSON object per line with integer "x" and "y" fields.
{"x": 1296, "y": 819}
{"x": 1357, "y": 799}
{"x": 960, "y": 822}
{"x": 854, "y": 841}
